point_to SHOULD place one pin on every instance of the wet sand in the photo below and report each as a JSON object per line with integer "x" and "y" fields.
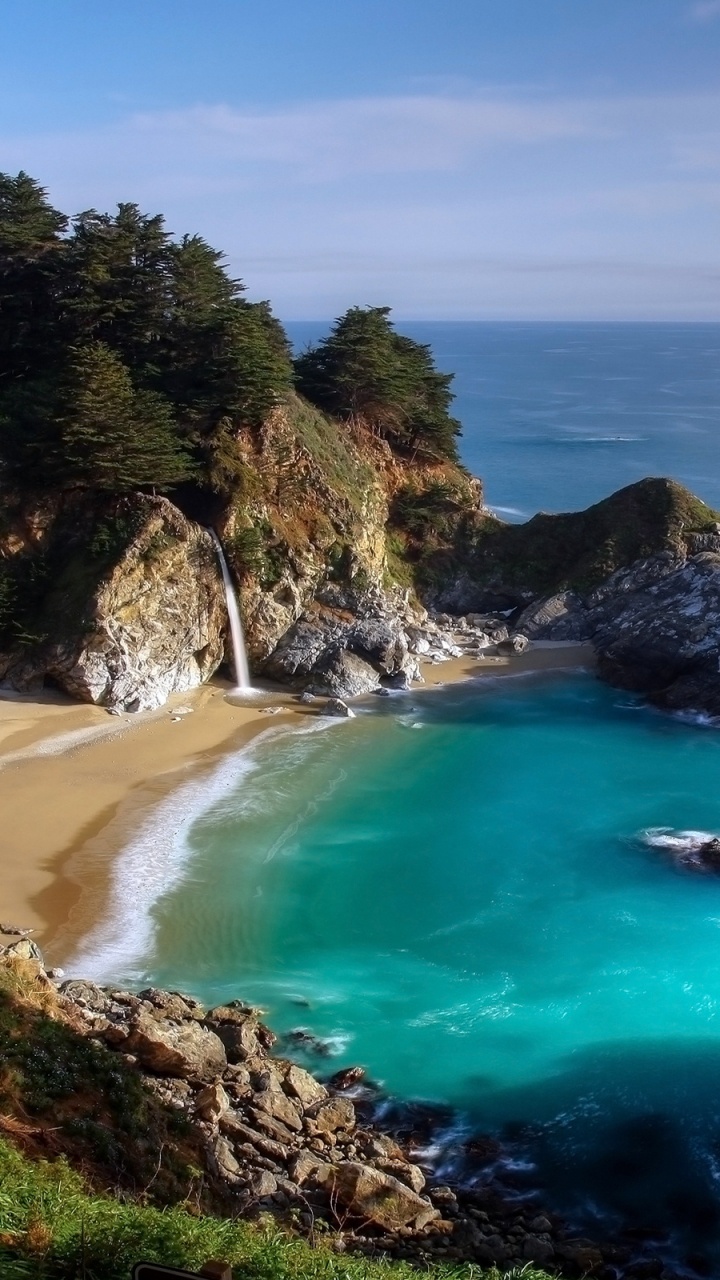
{"x": 74, "y": 782}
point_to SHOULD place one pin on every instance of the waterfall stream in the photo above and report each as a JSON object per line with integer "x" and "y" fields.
{"x": 240, "y": 662}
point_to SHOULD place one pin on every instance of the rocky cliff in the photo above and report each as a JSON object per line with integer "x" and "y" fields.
{"x": 170, "y": 1103}
{"x": 339, "y": 547}
{"x": 131, "y": 608}
{"x": 120, "y": 602}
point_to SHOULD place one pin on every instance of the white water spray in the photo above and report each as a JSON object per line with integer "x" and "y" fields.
{"x": 240, "y": 662}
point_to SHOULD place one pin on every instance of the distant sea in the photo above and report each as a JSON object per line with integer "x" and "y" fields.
{"x": 557, "y": 416}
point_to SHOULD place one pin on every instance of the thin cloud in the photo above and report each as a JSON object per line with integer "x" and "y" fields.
{"x": 362, "y": 192}
{"x": 705, "y": 11}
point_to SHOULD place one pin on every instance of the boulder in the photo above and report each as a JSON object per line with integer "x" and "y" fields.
{"x": 238, "y": 1028}
{"x": 185, "y": 1050}
{"x": 262, "y": 1184}
{"x": 404, "y": 1171}
{"x": 278, "y": 1106}
{"x": 513, "y": 644}
{"x": 212, "y": 1102}
{"x": 341, "y": 674}
{"x": 336, "y": 1113}
{"x": 306, "y": 1168}
{"x": 377, "y": 1197}
{"x": 85, "y": 994}
{"x": 336, "y": 707}
{"x": 24, "y": 949}
{"x": 379, "y": 643}
{"x": 221, "y": 1160}
{"x": 560, "y": 617}
{"x": 301, "y": 1085}
{"x": 273, "y": 1127}
{"x": 300, "y": 648}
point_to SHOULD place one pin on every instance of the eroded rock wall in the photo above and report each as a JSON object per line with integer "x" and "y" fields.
{"x": 153, "y": 624}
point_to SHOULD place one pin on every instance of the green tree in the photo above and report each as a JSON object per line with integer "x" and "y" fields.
{"x": 121, "y": 312}
{"x": 365, "y": 370}
{"x": 112, "y": 437}
{"x": 120, "y": 284}
{"x": 224, "y": 358}
{"x": 30, "y": 258}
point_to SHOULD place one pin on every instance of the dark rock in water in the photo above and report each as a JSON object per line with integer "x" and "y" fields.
{"x": 709, "y": 854}
{"x": 300, "y": 1039}
{"x": 400, "y": 680}
{"x": 655, "y": 629}
{"x": 346, "y": 1078}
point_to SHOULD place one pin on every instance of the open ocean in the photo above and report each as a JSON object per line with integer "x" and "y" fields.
{"x": 455, "y": 889}
{"x": 557, "y": 416}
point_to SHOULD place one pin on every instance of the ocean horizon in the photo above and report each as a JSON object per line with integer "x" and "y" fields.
{"x": 556, "y": 415}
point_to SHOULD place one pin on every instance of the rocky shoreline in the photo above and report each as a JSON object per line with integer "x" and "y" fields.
{"x": 332, "y": 1156}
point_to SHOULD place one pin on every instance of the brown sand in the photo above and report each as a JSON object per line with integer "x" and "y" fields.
{"x": 75, "y": 781}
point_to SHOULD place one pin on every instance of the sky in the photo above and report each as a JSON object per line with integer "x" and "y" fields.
{"x": 452, "y": 159}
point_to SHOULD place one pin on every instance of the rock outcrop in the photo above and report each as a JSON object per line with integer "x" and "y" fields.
{"x": 655, "y": 627}
{"x": 127, "y": 635}
{"x": 269, "y": 1137}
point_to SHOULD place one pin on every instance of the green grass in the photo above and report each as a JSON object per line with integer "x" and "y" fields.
{"x": 328, "y": 443}
{"x": 52, "y": 1229}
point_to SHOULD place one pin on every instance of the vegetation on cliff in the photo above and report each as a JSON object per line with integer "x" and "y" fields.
{"x": 580, "y": 549}
{"x": 125, "y": 353}
{"x": 131, "y": 360}
{"x": 366, "y": 371}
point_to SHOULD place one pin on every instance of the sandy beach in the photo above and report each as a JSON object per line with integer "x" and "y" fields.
{"x": 74, "y": 781}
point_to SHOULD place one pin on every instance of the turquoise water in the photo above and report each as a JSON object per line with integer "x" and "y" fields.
{"x": 450, "y": 889}
{"x": 556, "y": 416}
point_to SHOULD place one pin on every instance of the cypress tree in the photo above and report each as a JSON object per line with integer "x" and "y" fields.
{"x": 112, "y": 437}
{"x": 365, "y": 370}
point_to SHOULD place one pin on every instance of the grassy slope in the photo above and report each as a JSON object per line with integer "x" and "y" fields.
{"x": 580, "y": 549}
{"x": 51, "y": 1228}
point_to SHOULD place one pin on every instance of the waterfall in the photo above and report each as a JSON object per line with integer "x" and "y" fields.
{"x": 240, "y": 662}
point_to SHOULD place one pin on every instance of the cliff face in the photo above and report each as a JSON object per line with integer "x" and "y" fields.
{"x": 336, "y": 545}
{"x": 125, "y": 625}
{"x": 120, "y": 602}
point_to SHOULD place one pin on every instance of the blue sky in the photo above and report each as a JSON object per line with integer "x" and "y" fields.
{"x": 450, "y": 158}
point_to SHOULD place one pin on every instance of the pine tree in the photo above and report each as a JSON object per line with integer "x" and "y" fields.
{"x": 365, "y": 370}
{"x": 112, "y": 437}
{"x": 30, "y": 254}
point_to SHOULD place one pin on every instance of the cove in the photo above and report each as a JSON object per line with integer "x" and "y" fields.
{"x": 450, "y": 891}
